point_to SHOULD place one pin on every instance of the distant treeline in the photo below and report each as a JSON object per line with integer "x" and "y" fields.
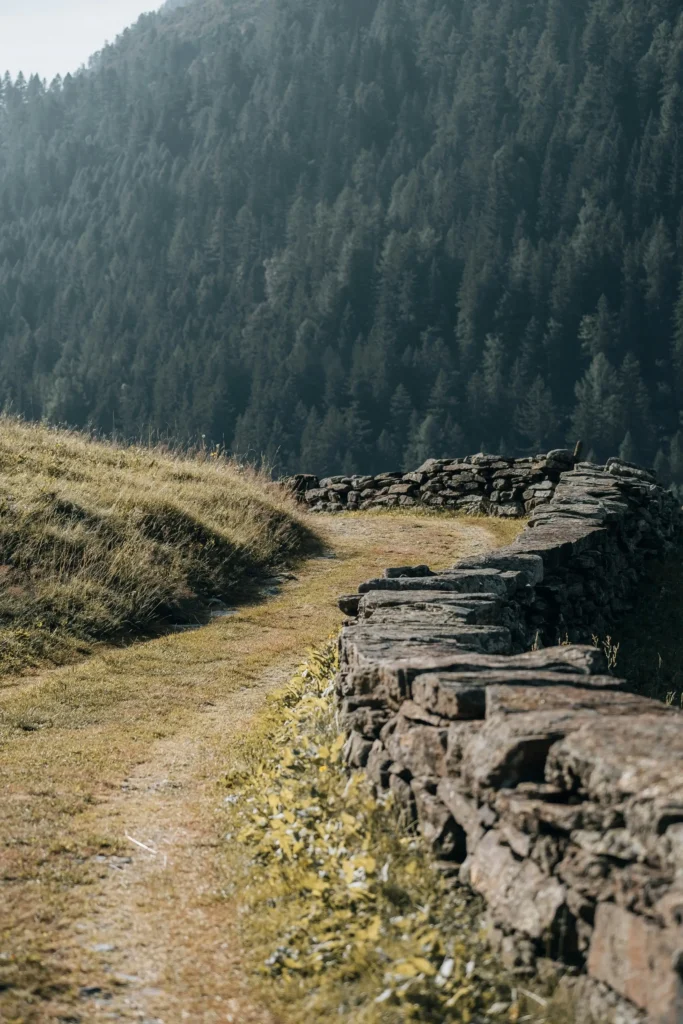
{"x": 348, "y": 234}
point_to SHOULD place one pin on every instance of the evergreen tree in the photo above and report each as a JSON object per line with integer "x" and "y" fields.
{"x": 535, "y": 418}
{"x": 676, "y": 457}
{"x": 599, "y": 415}
{"x": 356, "y": 236}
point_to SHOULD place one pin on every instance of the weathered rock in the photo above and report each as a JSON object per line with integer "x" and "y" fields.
{"x": 340, "y": 489}
{"x": 446, "y": 838}
{"x": 362, "y": 483}
{"x": 385, "y": 606}
{"x": 330, "y": 481}
{"x": 547, "y": 813}
{"x": 387, "y": 479}
{"x": 349, "y": 603}
{"x": 364, "y": 715}
{"x": 639, "y": 759}
{"x": 408, "y": 570}
{"x": 517, "y": 893}
{"x": 459, "y": 735}
{"x": 601, "y": 694}
{"x": 563, "y": 455}
{"x": 363, "y": 644}
{"x": 514, "y": 748}
{"x": 356, "y": 750}
{"x": 462, "y": 582}
{"x": 617, "y": 843}
{"x": 300, "y": 483}
{"x": 414, "y": 713}
{"x": 450, "y": 696}
{"x": 432, "y": 465}
{"x": 464, "y": 810}
{"x": 459, "y": 695}
{"x": 404, "y": 798}
{"x": 640, "y": 961}
{"x": 507, "y": 560}
{"x": 378, "y": 765}
{"x": 419, "y": 748}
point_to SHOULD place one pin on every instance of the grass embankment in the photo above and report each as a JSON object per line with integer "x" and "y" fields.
{"x": 343, "y": 915}
{"x": 129, "y": 745}
{"x": 103, "y": 543}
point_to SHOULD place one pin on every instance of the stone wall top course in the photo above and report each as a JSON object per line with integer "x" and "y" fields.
{"x": 480, "y": 484}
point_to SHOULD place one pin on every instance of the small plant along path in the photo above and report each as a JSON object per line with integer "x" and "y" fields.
{"x": 111, "y": 902}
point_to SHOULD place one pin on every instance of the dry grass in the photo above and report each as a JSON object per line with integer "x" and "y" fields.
{"x": 132, "y": 741}
{"x": 343, "y": 915}
{"x": 101, "y": 543}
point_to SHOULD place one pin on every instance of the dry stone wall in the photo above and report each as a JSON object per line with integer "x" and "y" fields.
{"x": 485, "y": 484}
{"x": 532, "y": 772}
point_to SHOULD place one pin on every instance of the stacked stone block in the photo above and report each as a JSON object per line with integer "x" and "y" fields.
{"x": 479, "y": 484}
{"x": 531, "y": 771}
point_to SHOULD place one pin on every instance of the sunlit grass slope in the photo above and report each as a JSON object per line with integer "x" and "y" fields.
{"x": 100, "y": 542}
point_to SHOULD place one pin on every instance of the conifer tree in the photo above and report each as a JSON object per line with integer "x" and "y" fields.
{"x": 333, "y": 238}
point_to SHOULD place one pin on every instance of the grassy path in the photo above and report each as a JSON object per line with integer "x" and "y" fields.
{"x": 110, "y": 813}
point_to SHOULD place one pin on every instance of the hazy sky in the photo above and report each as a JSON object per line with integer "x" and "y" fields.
{"x": 55, "y": 36}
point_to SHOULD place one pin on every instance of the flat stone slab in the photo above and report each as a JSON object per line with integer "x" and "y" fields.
{"x": 635, "y": 762}
{"x": 621, "y": 758}
{"x": 507, "y": 559}
{"x": 435, "y": 616}
{"x": 601, "y": 694}
{"x": 378, "y": 600}
{"x": 364, "y": 642}
{"x": 560, "y": 541}
{"x": 390, "y": 673}
{"x": 478, "y": 695}
{"x": 474, "y": 581}
{"x": 514, "y": 748}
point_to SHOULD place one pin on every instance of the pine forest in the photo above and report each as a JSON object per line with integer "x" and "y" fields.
{"x": 346, "y": 235}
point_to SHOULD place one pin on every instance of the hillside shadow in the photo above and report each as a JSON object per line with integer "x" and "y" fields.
{"x": 650, "y": 637}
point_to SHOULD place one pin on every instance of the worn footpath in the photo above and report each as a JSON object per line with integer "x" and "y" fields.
{"x": 111, "y": 851}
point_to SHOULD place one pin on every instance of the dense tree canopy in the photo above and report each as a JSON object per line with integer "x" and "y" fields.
{"x": 353, "y": 233}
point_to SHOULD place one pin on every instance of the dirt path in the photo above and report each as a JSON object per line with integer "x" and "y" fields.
{"x": 111, "y": 901}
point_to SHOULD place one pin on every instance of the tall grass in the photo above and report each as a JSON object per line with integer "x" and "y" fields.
{"x": 100, "y": 542}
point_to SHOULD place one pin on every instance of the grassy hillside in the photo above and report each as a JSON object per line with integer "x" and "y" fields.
{"x": 99, "y": 542}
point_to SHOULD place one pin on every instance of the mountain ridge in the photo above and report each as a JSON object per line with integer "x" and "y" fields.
{"x": 347, "y": 236}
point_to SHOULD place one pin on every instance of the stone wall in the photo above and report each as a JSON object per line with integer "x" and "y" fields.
{"x": 485, "y": 484}
{"x": 531, "y": 770}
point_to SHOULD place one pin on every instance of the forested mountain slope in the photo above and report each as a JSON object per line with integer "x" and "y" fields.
{"x": 348, "y": 234}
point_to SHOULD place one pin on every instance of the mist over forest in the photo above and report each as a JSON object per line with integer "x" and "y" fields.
{"x": 346, "y": 235}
